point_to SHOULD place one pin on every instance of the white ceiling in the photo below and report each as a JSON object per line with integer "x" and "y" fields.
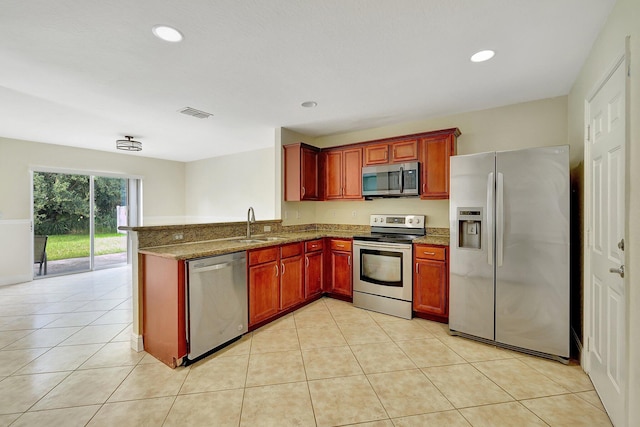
{"x": 85, "y": 73}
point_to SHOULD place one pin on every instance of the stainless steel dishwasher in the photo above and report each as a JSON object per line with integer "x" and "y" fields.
{"x": 216, "y": 302}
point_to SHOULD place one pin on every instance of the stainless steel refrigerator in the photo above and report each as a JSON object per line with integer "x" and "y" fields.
{"x": 509, "y": 263}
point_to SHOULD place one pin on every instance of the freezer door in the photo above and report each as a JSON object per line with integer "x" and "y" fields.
{"x": 471, "y": 269}
{"x": 532, "y": 249}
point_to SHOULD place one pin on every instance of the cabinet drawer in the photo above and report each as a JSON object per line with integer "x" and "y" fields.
{"x": 290, "y": 250}
{"x": 260, "y": 256}
{"x": 341, "y": 245}
{"x": 313, "y": 245}
{"x": 430, "y": 252}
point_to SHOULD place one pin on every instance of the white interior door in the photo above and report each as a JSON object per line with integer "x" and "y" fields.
{"x": 605, "y": 281}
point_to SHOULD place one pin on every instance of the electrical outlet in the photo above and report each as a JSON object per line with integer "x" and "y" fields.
{"x": 286, "y": 214}
{"x": 333, "y": 213}
{"x": 267, "y": 228}
{"x": 297, "y": 214}
{"x": 178, "y": 236}
{"x": 354, "y": 213}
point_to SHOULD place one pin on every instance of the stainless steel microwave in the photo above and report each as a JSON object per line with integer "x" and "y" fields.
{"x": 397, "y": 180}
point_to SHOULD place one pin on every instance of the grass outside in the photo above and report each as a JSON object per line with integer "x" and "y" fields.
{"x": 77, "y": 245}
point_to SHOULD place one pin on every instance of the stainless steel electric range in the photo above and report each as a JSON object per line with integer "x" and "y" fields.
{"x": 382, "y": 264}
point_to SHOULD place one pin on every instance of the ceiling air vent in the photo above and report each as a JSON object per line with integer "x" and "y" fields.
{"x": 195, "y": 113}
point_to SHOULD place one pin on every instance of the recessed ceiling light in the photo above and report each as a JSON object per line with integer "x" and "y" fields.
{"x": 483, "y": 55}
{"x": 309, "y": 104}
{"x": 166, "y": 33}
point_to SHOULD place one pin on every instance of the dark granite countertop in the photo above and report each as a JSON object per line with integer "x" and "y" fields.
{"x": 207, "y": 248}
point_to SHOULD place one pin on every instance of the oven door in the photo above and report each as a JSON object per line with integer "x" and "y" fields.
{"x": 383, "y": 269}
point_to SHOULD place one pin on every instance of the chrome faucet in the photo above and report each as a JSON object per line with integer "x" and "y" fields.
{"x": 251, "y": 218}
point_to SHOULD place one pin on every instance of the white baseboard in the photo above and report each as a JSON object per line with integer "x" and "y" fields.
{"x": 12, "y": 280}
{"x": 137, "y": 343}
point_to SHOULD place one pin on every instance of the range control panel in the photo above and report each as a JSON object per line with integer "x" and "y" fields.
{"x": 398, "y": 221}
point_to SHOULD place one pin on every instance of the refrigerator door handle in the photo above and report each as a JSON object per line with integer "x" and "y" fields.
{"x": 500, "y": 220}
{"x": 490, "y": 191}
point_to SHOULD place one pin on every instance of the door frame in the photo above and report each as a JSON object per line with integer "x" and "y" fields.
{"x": 134, "y": 212}
{"x": 621, "y": 60}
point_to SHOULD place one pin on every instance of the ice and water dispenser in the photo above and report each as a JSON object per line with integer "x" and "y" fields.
{"x": 469, "y": 228}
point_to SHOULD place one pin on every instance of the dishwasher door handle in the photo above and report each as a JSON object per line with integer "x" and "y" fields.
{"x": 197, "y": 269}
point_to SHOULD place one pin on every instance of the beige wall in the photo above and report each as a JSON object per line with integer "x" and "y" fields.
{"x": 163, "y": 180}
{"x": 221, "y": 189}
{"x": 163, "y": 191}
{"x": 623, "y": 21}
{"x": 530, "y": 124}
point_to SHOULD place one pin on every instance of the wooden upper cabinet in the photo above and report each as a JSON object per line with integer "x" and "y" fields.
{"x": 434, "y": 155}
{"x": 333, "y": 175}
{"x": 352, "y": 173}
{"x": 377, "y": 154}
{"x": 343, "y": 174}
{"x": 301, "y": 172}
{"x": 391, "y": 152}
{"x": 404, "y": 151}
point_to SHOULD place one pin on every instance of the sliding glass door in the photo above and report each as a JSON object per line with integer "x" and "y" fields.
{"x": 110, "y": 245}
{"x": 76, "y": 220}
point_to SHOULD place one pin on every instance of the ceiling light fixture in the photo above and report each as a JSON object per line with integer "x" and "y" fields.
{"x": 483, "y": 55}
{"x": 128, "y": 144}
{"x": 309, "y": 104}
{"x": 167, "y": 33}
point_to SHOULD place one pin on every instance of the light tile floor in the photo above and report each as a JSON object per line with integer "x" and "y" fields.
{"x": 65, "y": 359}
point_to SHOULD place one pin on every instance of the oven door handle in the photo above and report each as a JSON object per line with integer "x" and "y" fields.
{"x": 387, "y": 246}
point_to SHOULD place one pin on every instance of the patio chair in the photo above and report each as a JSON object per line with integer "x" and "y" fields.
{"x": 40, "y": 252}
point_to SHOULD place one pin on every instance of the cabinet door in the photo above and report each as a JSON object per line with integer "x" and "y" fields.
{"x": 377, "y": 154}
{"x": 291, "y": 282}
{"x": 263, "y": 291}
{"x": 352, "y": 174}
{"x": 341, "y": 273}
{"x": 434, "y": 154}
{"x": 430, "y": 287}
{"x": 333, "y": 175}
{"x": 309, "y": 175}
{"x": 313, "y": 274}
{"x": 404, "y": 151}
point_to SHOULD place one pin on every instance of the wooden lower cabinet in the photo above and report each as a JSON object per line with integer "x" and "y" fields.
{"x": 291, "y": 282}
{"x": 276, "y": 281}
{"x": 163, "y": 308}
{"x": 340, "y": 267}
{"x": 264, "y": 298}
{"x": 431, "y": 282}
{"x": 313, "y": 268}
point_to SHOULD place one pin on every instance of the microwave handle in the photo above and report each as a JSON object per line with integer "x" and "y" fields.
{"x": 401, "y": 179}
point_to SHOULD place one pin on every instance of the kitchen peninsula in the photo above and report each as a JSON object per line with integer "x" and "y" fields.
{"x": 162, "y": 279}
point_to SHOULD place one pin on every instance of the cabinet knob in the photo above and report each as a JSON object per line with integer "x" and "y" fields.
{"x": 276, "y": 270}
{"x": 428, "y": 253}
{"x": 417, "y": 268}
